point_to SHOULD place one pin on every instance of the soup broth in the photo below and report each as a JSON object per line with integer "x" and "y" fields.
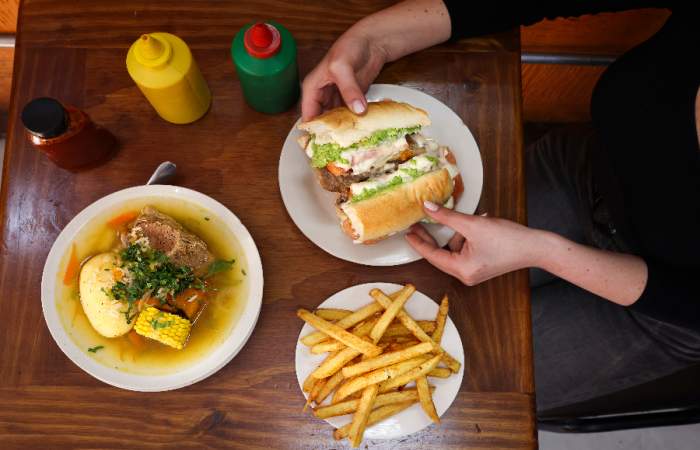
{"x": 213, "y": 325}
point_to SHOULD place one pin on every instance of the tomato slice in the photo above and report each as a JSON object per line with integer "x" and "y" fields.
{"x": 335, "y": 170}
{"x": 459, "y": 187}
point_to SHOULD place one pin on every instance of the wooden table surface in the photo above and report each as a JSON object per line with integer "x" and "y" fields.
{"x": 75, "y": 51}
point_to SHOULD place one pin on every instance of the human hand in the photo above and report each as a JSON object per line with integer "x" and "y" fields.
{"x": 343, "y": 75}
{"x": 481, "y": 248}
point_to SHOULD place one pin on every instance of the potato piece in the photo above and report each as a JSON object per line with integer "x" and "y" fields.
{"x": 426, "y": 400}
{"x": 339, "y": 333}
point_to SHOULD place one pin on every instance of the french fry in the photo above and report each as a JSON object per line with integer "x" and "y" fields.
{"x": 344, "y": 323}
{"x": 451, "y": 363}
{"x": 318, "y": 385}
{"x": 393, "y": 347}
{"x": 349, "y": 406}
{"x": 377, "y": 376}
{"x": 332, "y": 313}
{"x": 375, "y": 416}
{"x": 390, "y": 313}
{"x": 361, "y": 416}
{"x": 403, "y": 316}
{"x": 387, "y": 359}
{"x": 330, "y": 385}
{"x": 410, "y": 375}
{"x": 326, "y": 346}
{"x": 339, "y": 333}
{"x": 426, "y": 400}
{"x": 398, "y": 330}
{"x": 440, "y": 372}
{"x": 335, "y": 362}
{"x": 329, "y": 345}
{"x": 417, "y": 331}
{"x": 440, "y": 320}
{"x": 309, "y": 383}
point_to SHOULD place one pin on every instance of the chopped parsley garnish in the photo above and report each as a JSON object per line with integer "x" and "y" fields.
{"x": 150, "y": 271}
{"x": 96, "y": 348}
{"x": 243, "y": 272}
{"x": 206, "y": 218}
{"x": 331, "y": 152}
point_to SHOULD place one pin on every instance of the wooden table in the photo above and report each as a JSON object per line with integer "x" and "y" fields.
{"x": 75, "y": 51}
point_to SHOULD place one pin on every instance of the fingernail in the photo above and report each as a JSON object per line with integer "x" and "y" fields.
{"x": 430, "y": 206}
{"x": 358, "y": 107}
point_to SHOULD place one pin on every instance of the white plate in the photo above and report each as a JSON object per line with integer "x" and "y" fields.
{"x": 200, "y": 368}
{"x": 420, "y": 307}
{"x": 312, "y": 208}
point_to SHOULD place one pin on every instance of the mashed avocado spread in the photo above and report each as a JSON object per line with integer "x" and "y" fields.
{"x": 326, "y": 153}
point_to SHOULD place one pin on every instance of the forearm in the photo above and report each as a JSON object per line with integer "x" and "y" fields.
{"x": 406, "y": 27}
{"x": 620, "y": 278}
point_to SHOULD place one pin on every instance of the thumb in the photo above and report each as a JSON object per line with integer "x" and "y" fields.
{"x": 445, "y": 216}
{"x": 353, "y": 96}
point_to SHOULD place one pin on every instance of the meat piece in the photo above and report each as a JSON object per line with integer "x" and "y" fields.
{"x": 337, "y": 183}
{"x": 161, "y": 232}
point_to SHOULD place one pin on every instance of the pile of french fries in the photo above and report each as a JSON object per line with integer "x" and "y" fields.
{"x": 373, "y": 353}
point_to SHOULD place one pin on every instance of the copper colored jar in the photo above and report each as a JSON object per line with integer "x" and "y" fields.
{"x": 66, "y": 134}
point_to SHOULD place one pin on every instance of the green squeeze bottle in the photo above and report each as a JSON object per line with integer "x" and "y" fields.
{"x": 265, "y": 56}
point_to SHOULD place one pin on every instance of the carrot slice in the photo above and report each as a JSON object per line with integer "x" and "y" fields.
{"x": 335, "y": 170}
{"x": 122, "y": 219}
{"x": 72, "y": 267}
{"x": 136, "y": 339}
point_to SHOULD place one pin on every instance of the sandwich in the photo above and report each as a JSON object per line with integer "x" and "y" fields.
{"x": 345, "y": 148}
{"x": 381, "y": 167}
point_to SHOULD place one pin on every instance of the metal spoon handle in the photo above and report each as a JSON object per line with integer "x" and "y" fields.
{"x": 164, "y": 172}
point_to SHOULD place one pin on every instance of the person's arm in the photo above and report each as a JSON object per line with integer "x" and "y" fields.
{"x": 406, "y": 27}
{"x": 618, "y": 277}
{"x": 355, "y": 59}
{"x": 485, "y": 247}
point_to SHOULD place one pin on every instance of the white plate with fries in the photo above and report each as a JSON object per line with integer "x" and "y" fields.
{"x": 389, "y": 340}
{"x": 312, "y": 208}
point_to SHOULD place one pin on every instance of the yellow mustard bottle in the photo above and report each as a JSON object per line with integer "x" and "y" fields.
{"x": 162, "y": 67}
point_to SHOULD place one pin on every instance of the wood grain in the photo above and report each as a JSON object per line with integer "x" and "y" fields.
{"x": 75, "y": 51}
{"x": 8, "y": 16}
{"x": 6, "y": 57}
{"x": 558, "y": 93}
{"x": 599, "y": 34}
{"x": 562, "y": 93}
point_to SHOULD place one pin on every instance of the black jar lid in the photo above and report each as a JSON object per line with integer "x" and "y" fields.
{"x": 45, "y": 117}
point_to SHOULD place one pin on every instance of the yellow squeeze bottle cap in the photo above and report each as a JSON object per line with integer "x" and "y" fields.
{"x": 152, "y": 51}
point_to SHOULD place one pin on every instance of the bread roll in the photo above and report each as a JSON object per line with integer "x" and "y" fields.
{"x": 395, "y": 209}
{"x": 343, "y": 127}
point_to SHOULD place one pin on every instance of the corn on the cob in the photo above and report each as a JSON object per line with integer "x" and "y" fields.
{"x": 166, "y": 328}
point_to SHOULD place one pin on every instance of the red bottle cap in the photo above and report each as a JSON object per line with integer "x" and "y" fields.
{"x": 262, "y": 40}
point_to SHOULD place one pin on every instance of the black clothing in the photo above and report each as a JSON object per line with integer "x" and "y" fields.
{"x": 647, "y": 166}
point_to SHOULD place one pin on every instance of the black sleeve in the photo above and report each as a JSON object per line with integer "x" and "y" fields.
{"x": 485, "y": 17}
{"x": 670, "y": 296}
